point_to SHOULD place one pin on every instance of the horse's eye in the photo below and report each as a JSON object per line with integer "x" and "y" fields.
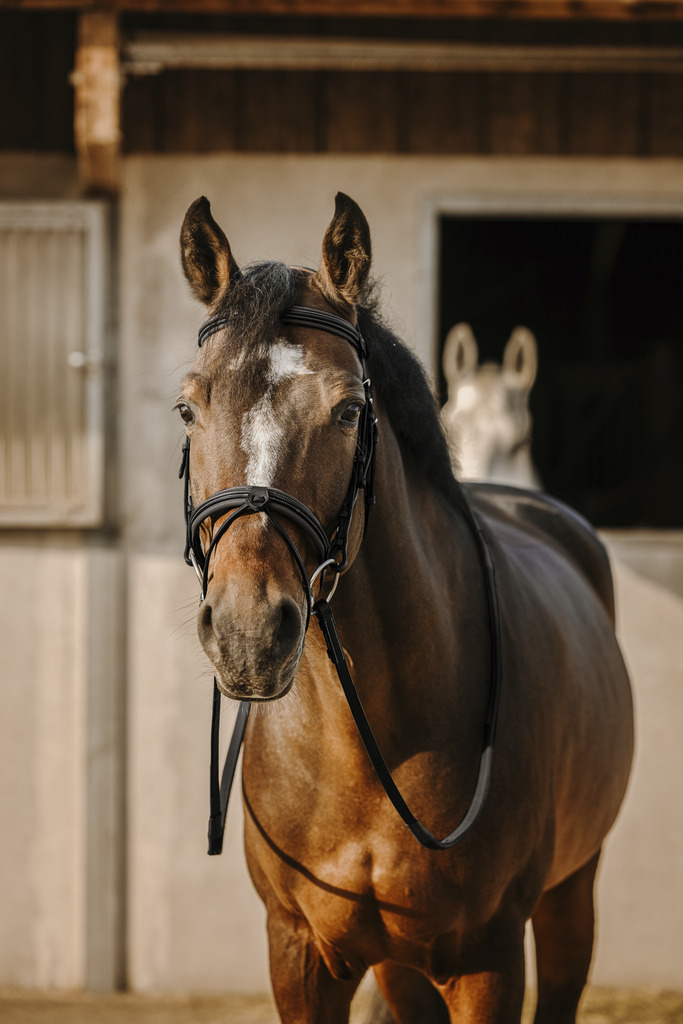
{"x": 351, "y": 414}
{"x": 185, "y": 413}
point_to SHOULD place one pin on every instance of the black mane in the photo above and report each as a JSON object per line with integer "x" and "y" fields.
{"x": 402, "y": 389}
{"x": 255, "y": 303}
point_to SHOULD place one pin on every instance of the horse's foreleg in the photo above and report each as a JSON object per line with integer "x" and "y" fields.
{"x": 411, "y": 996}
{"x": 563, "y": 931}
{"x": 305, "y": 989}
{"x": 488, "y": 982}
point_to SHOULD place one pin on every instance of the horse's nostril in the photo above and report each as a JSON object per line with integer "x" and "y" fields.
{"x": 244, "y": 634}
{"x": 205, "y": 619}
{"x": 208, "y": 630}
{"x": 289, "y": 629}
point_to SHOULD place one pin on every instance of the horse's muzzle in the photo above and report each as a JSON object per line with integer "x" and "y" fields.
{"x": 253, "y": 638}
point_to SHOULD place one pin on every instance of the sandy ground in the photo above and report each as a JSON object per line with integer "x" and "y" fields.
{"x": 600, "y": 1006}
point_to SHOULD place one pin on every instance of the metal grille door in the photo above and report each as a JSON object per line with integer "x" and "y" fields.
{"x": 52, "y": 335}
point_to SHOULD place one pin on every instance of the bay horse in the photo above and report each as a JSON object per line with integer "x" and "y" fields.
{"x": 486, "y": 417}
{"x": 277, "y": 406}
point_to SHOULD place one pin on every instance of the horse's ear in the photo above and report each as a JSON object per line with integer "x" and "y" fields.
{"x": 460, "y": 353}
{"x": 346, "y": 254}
{"x": 205, "y": 254}
{"x": 520, "y": 359}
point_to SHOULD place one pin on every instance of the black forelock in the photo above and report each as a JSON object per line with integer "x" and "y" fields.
{"x": 255, "y": 301}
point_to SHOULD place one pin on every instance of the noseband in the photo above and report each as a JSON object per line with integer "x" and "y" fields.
{"x": 237, "y": 502}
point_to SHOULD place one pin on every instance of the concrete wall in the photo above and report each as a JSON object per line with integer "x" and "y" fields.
{"x": 80, "y": 616}
{"x": 640, "y": 914}
{"x": 42, "y": 742}
{"x": 61, "y": 772}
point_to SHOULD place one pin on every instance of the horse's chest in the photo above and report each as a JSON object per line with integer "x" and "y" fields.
{"x": 366, "y": 898}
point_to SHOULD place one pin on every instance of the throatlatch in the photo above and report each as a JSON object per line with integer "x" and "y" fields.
{"x": 236, "y": 502}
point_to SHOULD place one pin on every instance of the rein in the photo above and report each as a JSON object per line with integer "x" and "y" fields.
{"x": 237, "y": 502}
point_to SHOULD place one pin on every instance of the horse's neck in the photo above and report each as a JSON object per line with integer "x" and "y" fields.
{"x": 412, "y": 606}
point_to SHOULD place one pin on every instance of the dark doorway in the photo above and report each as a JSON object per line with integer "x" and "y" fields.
{"x": 604, "y": 298}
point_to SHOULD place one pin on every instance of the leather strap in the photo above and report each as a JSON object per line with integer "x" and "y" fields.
{"x": 256, "y": 499}
{"x": 219, "y": 792}
{"x": 212, "y": 326}
{"x": 318, "y": 319}
{"x": 336, "y": 655}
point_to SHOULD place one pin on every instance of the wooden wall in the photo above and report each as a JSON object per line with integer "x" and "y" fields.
{"x": 36, "y": 104}
{"x": 340, "y": 112}
{"x": 375, "y": 112}
{"x": 318, "y": 112}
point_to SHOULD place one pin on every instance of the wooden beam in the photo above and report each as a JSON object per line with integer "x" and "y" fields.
{"x": 587, "y": 10}
{"x": 97, "y": 83}
{"x": 151, "y": 52}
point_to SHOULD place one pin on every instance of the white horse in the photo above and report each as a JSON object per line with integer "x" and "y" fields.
{"x": 486, "y": 417}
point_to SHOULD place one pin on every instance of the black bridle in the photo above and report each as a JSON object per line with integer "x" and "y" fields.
{"x": 236, "y": 502}
{"x": 241, "y": 501}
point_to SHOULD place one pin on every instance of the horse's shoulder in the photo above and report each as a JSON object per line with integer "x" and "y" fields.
{"x": 553, "y": 522}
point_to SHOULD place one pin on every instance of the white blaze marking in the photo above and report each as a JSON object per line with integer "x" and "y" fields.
{"x": 261, "y": 440}
{"x": 261, "y": 433}
{"x": 286, "y": 361}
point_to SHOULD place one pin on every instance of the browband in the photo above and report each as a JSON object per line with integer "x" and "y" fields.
{"x": 298, "y": 316}
{"x": 211, "y": 326}
{"x": 305, "y": 316}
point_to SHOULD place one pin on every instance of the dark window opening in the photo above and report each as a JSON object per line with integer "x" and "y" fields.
{"x": 604, "y": 298}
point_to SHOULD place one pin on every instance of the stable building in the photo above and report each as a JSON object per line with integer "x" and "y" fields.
{"x": 519, "y": 161}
